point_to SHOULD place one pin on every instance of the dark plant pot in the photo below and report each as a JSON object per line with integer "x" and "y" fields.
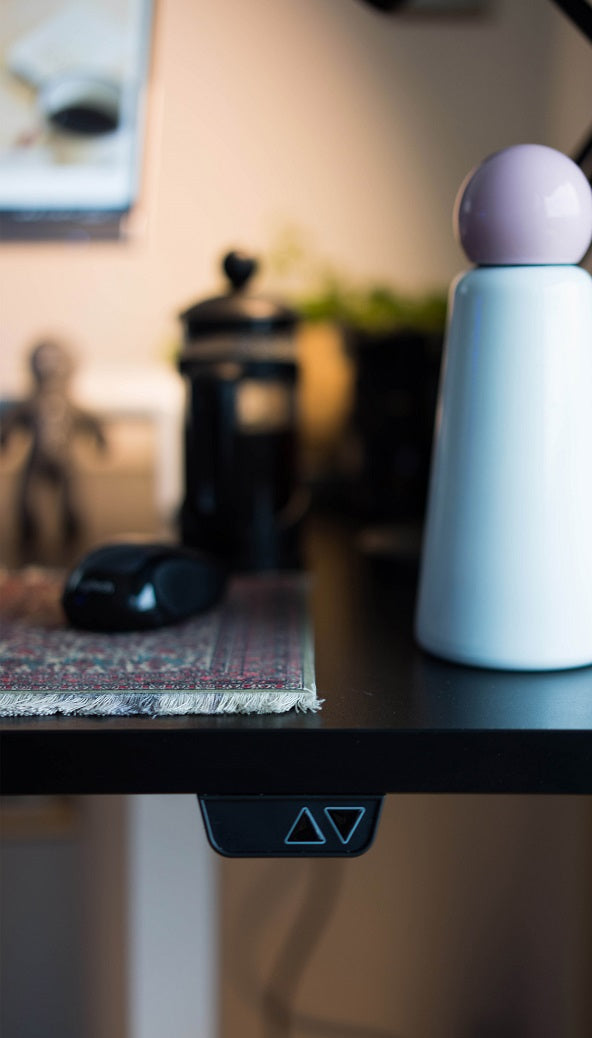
{"x": 393, "y": 414}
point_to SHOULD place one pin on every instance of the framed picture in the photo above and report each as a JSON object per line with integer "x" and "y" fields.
{"x": 73, "y": 77}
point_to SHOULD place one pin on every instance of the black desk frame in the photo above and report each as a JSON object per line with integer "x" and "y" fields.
{"x": 394, "y": 720}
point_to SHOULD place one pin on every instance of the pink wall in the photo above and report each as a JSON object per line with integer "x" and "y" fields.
{"x": 354, "y": 128}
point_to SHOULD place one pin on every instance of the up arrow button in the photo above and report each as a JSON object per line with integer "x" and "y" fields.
{"x": 305, "y": 830}
{"x": 345, "y": 820}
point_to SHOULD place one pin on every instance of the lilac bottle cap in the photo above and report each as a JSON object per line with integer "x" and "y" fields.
{"x": 527, "y": 204}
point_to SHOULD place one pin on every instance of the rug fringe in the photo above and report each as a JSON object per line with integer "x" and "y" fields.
{"x": 160, "y": 704}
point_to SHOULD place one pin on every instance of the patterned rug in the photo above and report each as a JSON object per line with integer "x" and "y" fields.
{"x": 251, "y": 654}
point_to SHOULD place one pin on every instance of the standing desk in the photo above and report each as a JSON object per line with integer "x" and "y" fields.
{"x": 394, "y": 720}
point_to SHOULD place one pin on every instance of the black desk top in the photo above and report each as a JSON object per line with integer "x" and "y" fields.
{"x": 394, "y": 719}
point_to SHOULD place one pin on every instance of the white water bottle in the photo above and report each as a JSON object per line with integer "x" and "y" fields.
{"x": 506, "y": 569}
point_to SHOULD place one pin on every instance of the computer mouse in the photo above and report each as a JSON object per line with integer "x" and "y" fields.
{"x": 128, "y": 586}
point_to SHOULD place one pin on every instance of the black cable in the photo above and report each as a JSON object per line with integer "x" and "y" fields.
{"x": 325, "y": 882}
{"x": 386, "y": 6}
{"x": 580, "y": 12}
{"x": 276, "y": 999}
{"x": 583, "y": 155}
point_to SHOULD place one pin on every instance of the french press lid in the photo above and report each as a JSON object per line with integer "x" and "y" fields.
{"x": 238, "y": 310}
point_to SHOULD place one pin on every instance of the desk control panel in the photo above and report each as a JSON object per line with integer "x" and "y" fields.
{"x": 290, "y": 827}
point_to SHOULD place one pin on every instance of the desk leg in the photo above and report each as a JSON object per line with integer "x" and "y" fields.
{"x": 172, "y": 920}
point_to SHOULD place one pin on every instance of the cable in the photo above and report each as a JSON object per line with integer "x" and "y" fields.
{"x": 580, "y": 12}
{"x": 275, "y": 999}
{"x": 583, "y": 154}
{"x": 324, "y": 886}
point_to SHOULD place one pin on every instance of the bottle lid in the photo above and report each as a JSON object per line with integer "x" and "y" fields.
{"x": 527, "y": 204}
{"x": 238, "y": 310}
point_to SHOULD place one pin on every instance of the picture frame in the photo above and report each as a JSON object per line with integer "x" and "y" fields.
{"x": 73, "y": 86}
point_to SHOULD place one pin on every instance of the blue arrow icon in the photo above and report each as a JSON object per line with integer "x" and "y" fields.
{"x": 305, "y": 830}
{"x": 345, "y": 820}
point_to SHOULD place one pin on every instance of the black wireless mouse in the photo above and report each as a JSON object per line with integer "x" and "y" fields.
{"x": 127, "y": 586}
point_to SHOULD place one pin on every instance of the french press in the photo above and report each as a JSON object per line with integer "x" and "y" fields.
{"x": 242, "y": 499}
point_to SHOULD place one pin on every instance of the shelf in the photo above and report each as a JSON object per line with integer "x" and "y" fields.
{"x": 393, "y": 720}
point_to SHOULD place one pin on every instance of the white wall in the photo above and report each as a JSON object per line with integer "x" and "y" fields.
{"x": 321, "y": 114}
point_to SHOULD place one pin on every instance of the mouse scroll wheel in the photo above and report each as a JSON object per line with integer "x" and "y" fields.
{"x": 176, "y": 587}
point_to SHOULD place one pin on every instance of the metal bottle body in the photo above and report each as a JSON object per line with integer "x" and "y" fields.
{"x": 506, "y": 573}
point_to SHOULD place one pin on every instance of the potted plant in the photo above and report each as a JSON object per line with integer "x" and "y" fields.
{"x": 394, "y": 344}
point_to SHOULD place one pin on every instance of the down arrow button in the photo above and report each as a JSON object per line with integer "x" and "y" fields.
{"x": 345, "y": 820}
